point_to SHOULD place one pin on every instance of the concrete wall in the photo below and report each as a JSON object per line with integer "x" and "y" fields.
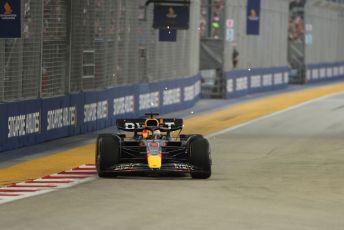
{"x": 269, "y": 48}
{"x": 327, "y": 31}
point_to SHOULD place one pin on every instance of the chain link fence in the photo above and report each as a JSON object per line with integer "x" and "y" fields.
{"x": 69, "y": 46}
{"x": 20, "y": 58}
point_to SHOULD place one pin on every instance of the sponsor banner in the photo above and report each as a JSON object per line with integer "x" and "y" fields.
{"x": 325, "y": 72}
{"x": 234, "y": 83}
{"x": 278, "y": 79}
{"x": 244, "y": 82}
{"x": 171, "y": 17}
{"x": 230, "y": 86}
{"x": 189, "y": 93}
{"x": 336, "y": 71}
{"x": 308, "y": 75}
{"x": 256, "y": 81}
{"x": 148, "y": 101}
{"x": 34, "y": 121}
{"x": 329, "y": 72}
{"x": 124, "y": 105}
{"x": 314, "y": 75}
{"x": 21, "y": 122}
{"x": 10, "y": 19}
{"x": 253, "y": 17}
{"x": 185, "y": 96}
{"x": 58, "y": 115}
{"x": 241, "y": 83}
{"x": 267, "y": 80}
{"x": 24, "y": 124}
{"x": 95, "y": 110}
{"x": 171, "y": 96}
{"x": 286, "y": 77}
{"x": 149, "y": 97}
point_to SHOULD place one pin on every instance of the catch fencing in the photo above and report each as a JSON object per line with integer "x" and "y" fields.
{"x": 74, "y": 46}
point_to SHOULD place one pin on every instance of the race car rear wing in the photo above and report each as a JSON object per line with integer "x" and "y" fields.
{"x": 132, "y": 125}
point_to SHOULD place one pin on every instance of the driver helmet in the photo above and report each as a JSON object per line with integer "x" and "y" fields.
{"x": 157, "y": 133}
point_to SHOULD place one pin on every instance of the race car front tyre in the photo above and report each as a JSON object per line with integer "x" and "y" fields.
{"x": 107, "y": 153}
{"x": 199, "y": 154}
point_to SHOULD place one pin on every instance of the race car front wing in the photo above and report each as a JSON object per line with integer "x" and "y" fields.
{"x": 125, "y": 168}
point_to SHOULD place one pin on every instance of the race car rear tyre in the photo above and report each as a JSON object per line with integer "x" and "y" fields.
{"x": 107, "y": 153}
{"x": 189, "y": 138}
{"x": 199, "y": 154}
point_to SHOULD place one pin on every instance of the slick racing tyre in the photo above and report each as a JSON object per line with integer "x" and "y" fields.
{"x": 199, "y": 154}
{"x": 189, "y": 138}
{"x": 107, "y": 153}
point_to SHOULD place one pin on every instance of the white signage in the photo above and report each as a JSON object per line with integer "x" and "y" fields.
{"x": 267, "y": 80}
{"x": 123, "y": 105}
{"x": 197, "y": 88}
{"x": 230, "y": 87}
{"x": 189, "y": 93}
{"x": 24, "y": 124}
{"x": 329, "y": 72}
{"x": 278, "y": 78}
{"x": 60, "y": 118}
{"x": 256, "y": 81}
{"x": 241, "y": 83}
{"x": 335, "y": 71}
{"x": 315, "y": 74}
{"x": 149, "y": 100}
{"x": 286, "y": 77}
{"x": 322, "y": 72}
{"x": 96, "y": 111}
{"x": 172, "y": 96}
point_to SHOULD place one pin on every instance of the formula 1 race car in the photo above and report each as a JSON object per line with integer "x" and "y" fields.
{"x": 151, "y": 149}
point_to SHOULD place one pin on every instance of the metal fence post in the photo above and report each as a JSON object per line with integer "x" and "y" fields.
{"x": 41, "y": 42}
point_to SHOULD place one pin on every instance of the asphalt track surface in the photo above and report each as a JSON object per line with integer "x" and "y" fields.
{"x": 282, "y": 172}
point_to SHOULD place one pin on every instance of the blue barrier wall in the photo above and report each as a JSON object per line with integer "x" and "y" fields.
{"x": 34, "y": 121}
{"x": 325, "y": 72}
{"x": 248, "y": 81}
{"x": 30, "y": 122}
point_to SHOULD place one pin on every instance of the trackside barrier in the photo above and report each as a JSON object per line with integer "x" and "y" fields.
{"x": 31, "y": 122}
{"x": 248, "y": 81}
{"x": 34, "y": 121}
{"x": 325, "y": 72}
